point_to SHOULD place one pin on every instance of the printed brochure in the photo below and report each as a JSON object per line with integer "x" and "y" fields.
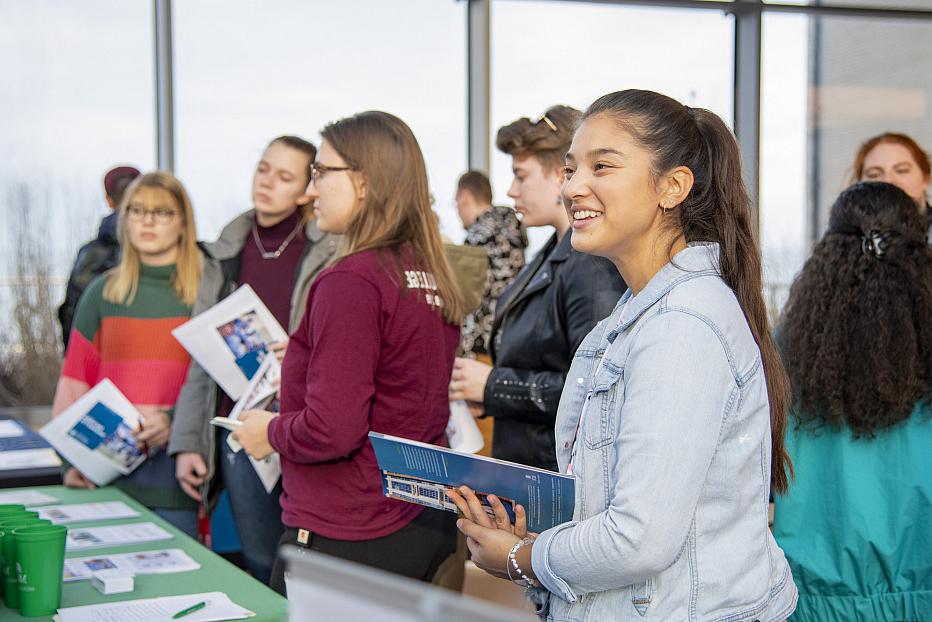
{"x": 421, "y": 473}
{"x": 143, "y": 562}
{"x": 96, "y": 434}
{"x": 231, "y": 339}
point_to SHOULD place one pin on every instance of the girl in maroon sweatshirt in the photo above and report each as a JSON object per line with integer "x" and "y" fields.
{"x": 374, "y": 351}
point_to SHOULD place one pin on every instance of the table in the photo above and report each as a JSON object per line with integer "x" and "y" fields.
{"x": 215, "y": 574}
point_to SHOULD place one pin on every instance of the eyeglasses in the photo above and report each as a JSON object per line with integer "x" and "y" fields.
{"x": 161, "y": 215}
{"x": 318, "y": 170}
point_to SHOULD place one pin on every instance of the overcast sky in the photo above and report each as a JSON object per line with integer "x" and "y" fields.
{"x": 79, "y": 96}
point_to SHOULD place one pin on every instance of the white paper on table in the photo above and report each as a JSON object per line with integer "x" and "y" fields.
{"x": 27, "y": 497}
{"x": 163, "y": 561}
{"x": 83, "y": 538}
{"x": 249, "y": 328}
{"x": 263, "y": 386}
{"x": 29, "y": 459}
{"x": 77, "y": 512}
{"x": 462, "y": 432}
{"x": 10, "y": 428}
{"x": 219, "y": 607}
{"x": 89, "y": 420}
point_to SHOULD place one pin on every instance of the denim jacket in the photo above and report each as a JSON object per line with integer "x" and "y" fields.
{"x": 672, "y": 463}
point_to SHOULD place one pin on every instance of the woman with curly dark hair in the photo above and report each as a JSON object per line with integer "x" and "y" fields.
{"x": 856, "y": 334}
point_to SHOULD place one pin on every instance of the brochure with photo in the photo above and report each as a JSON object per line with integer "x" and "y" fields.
{"x": 162, "y": 561}
{"x": 421, "y": 473}
{"x": 82, "y": 538}
{"x": 82, "y": 512}
{"x": 231, "y": 339}
{"x": 96, "y": 434}
{"x": 261, "y": 393}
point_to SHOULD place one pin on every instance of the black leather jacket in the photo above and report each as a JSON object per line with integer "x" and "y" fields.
{"x": 540, "y": 320}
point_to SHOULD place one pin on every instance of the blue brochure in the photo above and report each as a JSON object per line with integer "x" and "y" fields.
{"x": 420, "y": 473}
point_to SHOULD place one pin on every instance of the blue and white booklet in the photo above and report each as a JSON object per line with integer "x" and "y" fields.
{"x": 97, "y": 434}
{"x": 421, "y": 473}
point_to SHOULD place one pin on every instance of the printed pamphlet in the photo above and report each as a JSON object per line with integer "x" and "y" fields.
{"x": 462, "y": 432}
{"x": 82, "y": 538}
{"x": 163, "y": 561}
{"x": 79, "y": 512}
{"x": 96, "y": 434}
{"x": 421, "y": 473}
{"x": 27, "y": 497}
{"x": 231, "y": 339}
{"x": 261, "y": 393}
{"x": 206, "y": 607}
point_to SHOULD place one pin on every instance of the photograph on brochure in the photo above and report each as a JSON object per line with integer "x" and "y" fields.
{"x": 96, "y": 434}
{"x": 231, "y": 339}
{"x": 262, "y": 393}
{"x": 163, "y": 561}
{"x": 82, "y": 538}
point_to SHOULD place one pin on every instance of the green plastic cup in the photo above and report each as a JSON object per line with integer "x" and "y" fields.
{"x": 15, "y": 517}
{"x": 40, "y": 561}
{"x": 8, "y": 556}
{"x": 11, "y": 508}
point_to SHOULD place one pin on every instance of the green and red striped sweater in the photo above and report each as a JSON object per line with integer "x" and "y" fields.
{"x": 132, "y": 345}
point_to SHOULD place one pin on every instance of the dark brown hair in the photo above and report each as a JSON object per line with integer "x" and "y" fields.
{"x": 477, "y": 184}
{"x": 548, "y": 138}
{"x": 920, "y": 156}
{"x": 397, "y": 209}
{"x": 717, "y": 209}
{"x": 299, "y": 144}
{"x": 307, "y": 148}
{"x": 856, "y": 332}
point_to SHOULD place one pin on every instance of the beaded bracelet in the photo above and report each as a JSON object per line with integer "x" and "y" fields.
{"x": 512, "y": 559}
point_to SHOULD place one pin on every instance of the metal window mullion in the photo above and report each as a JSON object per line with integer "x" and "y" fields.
{"x": 164, "y": 100}
{"x": 747, "y": 86}
{"x": 477, "y": 84}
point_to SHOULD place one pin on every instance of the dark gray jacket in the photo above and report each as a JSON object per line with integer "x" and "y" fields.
{"x": 198, "y": 400}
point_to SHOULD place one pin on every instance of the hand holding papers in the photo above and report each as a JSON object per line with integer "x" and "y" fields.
{"x": 230, "y": 340}
{"x": 260, "y": 393}
{"x": 421, "y": 473}
{"x": 96, "y": 434}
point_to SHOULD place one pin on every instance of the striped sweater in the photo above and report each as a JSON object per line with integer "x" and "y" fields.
{"x": 132, "y": 345}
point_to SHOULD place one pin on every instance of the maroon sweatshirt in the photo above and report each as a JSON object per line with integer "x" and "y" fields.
{"x": 371, "y": 353}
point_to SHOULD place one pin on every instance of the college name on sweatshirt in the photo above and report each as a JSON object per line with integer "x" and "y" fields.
{"x": 419, "y": 279}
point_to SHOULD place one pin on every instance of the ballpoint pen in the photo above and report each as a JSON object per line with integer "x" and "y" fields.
{"x": 191, "y": 609}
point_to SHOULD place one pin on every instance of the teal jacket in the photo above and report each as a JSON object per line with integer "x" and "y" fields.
{"x": 856, "y": 524}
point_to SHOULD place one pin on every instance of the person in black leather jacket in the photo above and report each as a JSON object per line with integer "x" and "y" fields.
{"x": 542, "y": 317}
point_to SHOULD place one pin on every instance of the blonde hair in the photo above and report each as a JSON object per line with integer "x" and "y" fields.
{"x": 397, "y": 208}
{"x": 123, "y": 280}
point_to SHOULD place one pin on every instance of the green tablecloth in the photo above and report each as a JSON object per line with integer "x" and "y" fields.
{"x": 215, "y": 574}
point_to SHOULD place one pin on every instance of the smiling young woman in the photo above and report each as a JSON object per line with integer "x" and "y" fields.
{"x": 541, "y": 318}
{"x": 674, "y": 425}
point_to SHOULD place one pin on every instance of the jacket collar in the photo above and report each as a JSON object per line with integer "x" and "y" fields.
{"x": 233, "y": 237}
{"x": 697, "y": 259}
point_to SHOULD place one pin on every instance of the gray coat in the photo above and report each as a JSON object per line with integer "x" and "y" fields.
{"x": 197, "y": 403}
